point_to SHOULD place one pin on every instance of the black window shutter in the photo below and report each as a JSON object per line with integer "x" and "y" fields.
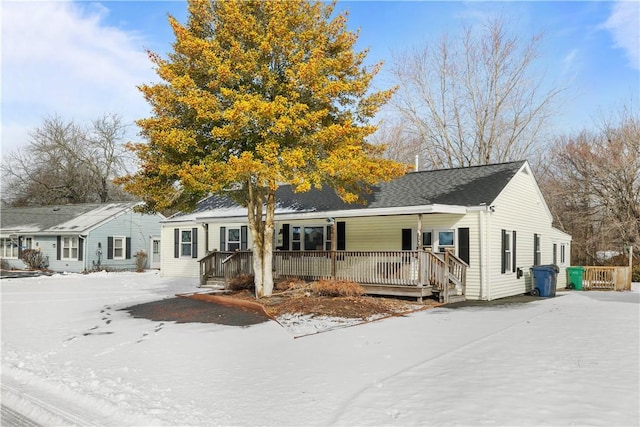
{"x": 223, "y": 237}
{"x": 406, "y": 239}
{"x": 513, "y": 251}
{"x": 342, "y": 236}
{"x": 176, "y": 243}
{"x": 128, "y": 254}
{"x": 502, "y": 252}
{"x": 19, "y": 247}
{"x": 536, "y": 242}
{"x": 243, "y": 238}
{"x": 110, "y": 247}
{"x": 194, "y": 243}
{"x": 80, "y": 248}
{"x": 285, "y": 238}
{"x": 463, "y": 244}
{"x": 58, "y": 247}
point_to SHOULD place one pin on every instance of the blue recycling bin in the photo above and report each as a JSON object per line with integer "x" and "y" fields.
{"x": 544, "y": 280}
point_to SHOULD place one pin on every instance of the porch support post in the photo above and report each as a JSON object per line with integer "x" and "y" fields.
{"x": 334, "y": 247}
{"x": 420, "y": 250}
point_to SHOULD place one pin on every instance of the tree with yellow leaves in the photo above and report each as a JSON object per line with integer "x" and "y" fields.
{"x": 257, "y": 94}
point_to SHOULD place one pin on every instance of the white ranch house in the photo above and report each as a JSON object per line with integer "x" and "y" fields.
{"x": 81, "y": 237}
{"x": 474, "y": 231}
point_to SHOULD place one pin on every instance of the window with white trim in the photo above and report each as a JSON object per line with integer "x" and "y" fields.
{"x": 537, "y": 255}
{"x": 233, "y": 239}
{"x": 310, "y": 238}
{"x": 563, "y": 253}
{"x": 9, "y": 247}
{"x": 119, "y": 247}
{"x": 69, "y": 248}
{"x": 446, "y": 240}
{"x": 185, "y": 242}
{"x": 508, "y": 251}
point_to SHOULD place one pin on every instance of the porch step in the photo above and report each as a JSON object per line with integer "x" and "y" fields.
{"x": 398, "y": 290}
{"x": 456, "y": 298}
{"x": 214, "y": 283}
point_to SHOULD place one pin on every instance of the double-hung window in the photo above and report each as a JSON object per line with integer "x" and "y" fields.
{"x": 119, "y": 247}
{"x": 69, "y": 247}
{"x": 185, "y": 242}
{"x": 233, "y": 239}
{"x": 537, "y": 256}
{"x": 508, "y": 251}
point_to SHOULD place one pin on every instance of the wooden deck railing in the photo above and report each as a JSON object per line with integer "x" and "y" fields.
{"x": 443, "y": 272}
{"x": 614, "y": 278}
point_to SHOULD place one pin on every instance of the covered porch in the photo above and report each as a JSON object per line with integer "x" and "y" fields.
{"x": 418, "y": 273}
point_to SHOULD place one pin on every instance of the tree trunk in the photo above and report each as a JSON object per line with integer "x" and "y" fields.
{"x": 262, "y": 233}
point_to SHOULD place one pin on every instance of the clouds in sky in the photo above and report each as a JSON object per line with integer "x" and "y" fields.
{"x": 624, "y": 25}
{"x": 60, "y": 58}
{"x": 65, "y": 58}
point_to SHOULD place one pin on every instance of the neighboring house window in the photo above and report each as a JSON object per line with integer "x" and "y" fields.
{"x": 119, "y": 244}
{"x": 555, "y": 253}
{"x": 563, "y": 250}
{"x": 537, "y": 256}
{"x": 118, "y": 247}
{"x": 27, "y": 243}
{"x": 508, "y": 251}
{"x": 185, "y": 242}
{"x": 9, "y": 248}
{"x": 69, "y": 247}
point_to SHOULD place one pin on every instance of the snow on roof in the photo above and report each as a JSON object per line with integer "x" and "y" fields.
{"x": 59, "y": 219}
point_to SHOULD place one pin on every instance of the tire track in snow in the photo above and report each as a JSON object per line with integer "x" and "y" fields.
{"x": 421, "y": 364}
{"x": 20, "y": 402}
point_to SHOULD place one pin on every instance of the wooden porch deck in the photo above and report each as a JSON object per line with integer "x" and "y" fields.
{"x": 415, "y": 274}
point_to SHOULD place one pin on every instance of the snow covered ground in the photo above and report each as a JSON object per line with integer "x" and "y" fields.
{"x": 71, "y": 356}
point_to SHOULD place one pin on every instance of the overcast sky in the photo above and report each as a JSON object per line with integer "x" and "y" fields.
{"x": 80, "y": 60}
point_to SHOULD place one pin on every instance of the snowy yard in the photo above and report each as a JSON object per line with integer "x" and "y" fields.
{"x": 71, "y": 356}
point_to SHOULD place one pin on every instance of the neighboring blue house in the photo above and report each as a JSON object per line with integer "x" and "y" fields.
{"x": 84, "y": 237}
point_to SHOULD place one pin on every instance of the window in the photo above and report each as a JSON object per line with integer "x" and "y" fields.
{"x": 537, "y": 256}
{"x": 9, "y": 248}
{"x": 439, "y": 240}
{"x": 69, "y": 247}
{"x": 313, "y": 238}
{"x": 185, "y": 242}
{"x": 119, "y": 244}
{"x": 426, "y": 239}
{"x": 508, "y": 251}
{"x": 563, "y": 250}
{"x": 555, "y": 253}
{"x": 233, "y": 239}
{"x": 445, "y": 240}
{"x": 27, "y": 243}
{"x": 295, "y": 238}
{"x": 310, "y": 238}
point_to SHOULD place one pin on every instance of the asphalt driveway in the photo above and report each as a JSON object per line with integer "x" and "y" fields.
{"x": 187, "y": 310}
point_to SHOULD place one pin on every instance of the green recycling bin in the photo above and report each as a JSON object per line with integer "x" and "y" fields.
{"x": 574, "y": 277}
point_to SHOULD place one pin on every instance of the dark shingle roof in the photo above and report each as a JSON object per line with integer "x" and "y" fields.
{"x": 470, "y": 186}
